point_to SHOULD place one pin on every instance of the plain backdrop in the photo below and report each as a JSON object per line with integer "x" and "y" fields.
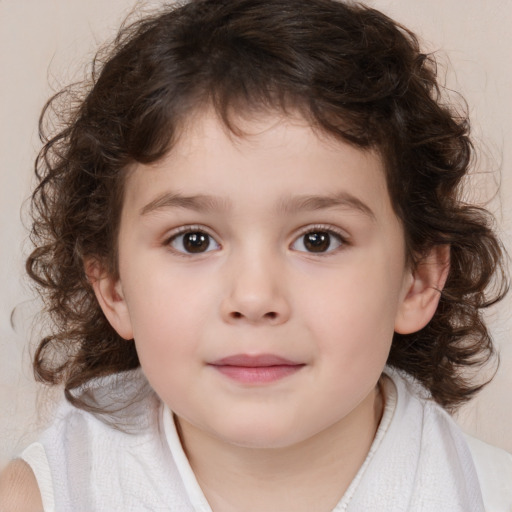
{"x": 45, "y": 44}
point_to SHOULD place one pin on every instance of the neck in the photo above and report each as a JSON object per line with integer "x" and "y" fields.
{"x": 311, "y": 475}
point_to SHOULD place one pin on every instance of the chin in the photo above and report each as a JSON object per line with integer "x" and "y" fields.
{"x": 260, "y": 435}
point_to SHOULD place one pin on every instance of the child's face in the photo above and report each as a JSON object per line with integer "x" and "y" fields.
{"x": 279, "y": 250}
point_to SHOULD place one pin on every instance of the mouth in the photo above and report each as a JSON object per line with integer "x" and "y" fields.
{"x": 257, "y": 369}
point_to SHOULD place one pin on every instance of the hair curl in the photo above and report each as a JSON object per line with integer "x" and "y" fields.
{"x": 350, "y": 71}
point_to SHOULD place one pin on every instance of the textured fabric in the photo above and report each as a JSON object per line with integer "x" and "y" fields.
{"x": 95, "y": 467}
{"x": 494, "y": 470}
{"x": 35, "y": 456}
{"x": 418, "y": 462}
{"x": 422, "y": 464}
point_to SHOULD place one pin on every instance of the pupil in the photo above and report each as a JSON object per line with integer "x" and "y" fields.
{"x": 196, "y": 242}
{"x": 317, "y": 242}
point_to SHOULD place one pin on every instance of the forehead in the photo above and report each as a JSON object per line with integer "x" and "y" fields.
{"x": 272, "y": 159}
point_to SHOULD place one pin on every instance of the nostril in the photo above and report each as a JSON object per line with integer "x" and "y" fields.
{"x": 271, "y": 315}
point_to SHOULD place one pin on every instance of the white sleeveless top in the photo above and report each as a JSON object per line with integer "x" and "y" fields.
{"x": 133, "y": 460}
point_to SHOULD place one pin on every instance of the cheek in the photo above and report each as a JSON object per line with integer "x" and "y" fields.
{"x": 353, "y": 324}
{"x": 354, "y": 312}
{"x": 168, "y": 312}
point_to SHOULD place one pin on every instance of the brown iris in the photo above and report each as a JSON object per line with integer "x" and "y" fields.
{"x": 317, "y": 241}
{"x": 196, "y": 242}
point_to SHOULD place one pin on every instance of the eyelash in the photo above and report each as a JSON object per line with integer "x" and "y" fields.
{"x": 320, "y": 228}
{"x": 184, "y": 230}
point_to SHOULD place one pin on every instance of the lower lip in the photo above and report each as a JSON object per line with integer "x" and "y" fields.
{"x": 257, "y": 374}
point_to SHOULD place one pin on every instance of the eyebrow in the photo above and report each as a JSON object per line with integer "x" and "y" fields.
{"x": 207, "y": 203}
{"x": 319, "y": 202}
{"x": 200, "y": 203}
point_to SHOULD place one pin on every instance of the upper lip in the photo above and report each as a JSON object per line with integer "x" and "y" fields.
{"x": 254, "y": 361}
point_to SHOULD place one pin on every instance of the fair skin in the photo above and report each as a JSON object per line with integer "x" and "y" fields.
{"x": 19, "y": 491}
{"x": 262, "y": 279}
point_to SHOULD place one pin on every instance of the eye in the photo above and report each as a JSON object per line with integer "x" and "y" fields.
{"x": 193, "y": 242}
{"x": 318, "y": 241}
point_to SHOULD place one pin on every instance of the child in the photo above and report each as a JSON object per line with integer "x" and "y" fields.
{"x": 264, "y": 284}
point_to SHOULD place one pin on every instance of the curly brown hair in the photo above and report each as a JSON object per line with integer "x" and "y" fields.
{"x": 351, "y": 72}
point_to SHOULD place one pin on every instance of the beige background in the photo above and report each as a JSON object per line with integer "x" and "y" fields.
{"x": 44, "y": 44}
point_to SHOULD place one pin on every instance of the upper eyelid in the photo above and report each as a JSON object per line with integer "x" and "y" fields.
{"x": 323, "y": 227}
{"x": 190, "y": 228}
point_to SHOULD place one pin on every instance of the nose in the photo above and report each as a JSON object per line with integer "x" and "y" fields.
{"x": 256, "y": 292}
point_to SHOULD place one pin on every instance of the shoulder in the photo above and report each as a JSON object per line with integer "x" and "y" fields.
{"x": 494, "y": 470}
{"x": 19, "y": 491}
{"x": 486, "y": 466}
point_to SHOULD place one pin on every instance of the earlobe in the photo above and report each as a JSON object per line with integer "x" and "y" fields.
{"x": 423, "y": 291}
{"x": 110, "y": 296}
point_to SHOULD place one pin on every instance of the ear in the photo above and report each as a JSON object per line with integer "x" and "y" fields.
{"x": 109, "y": 293}
{"x": 423, "y": 290}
